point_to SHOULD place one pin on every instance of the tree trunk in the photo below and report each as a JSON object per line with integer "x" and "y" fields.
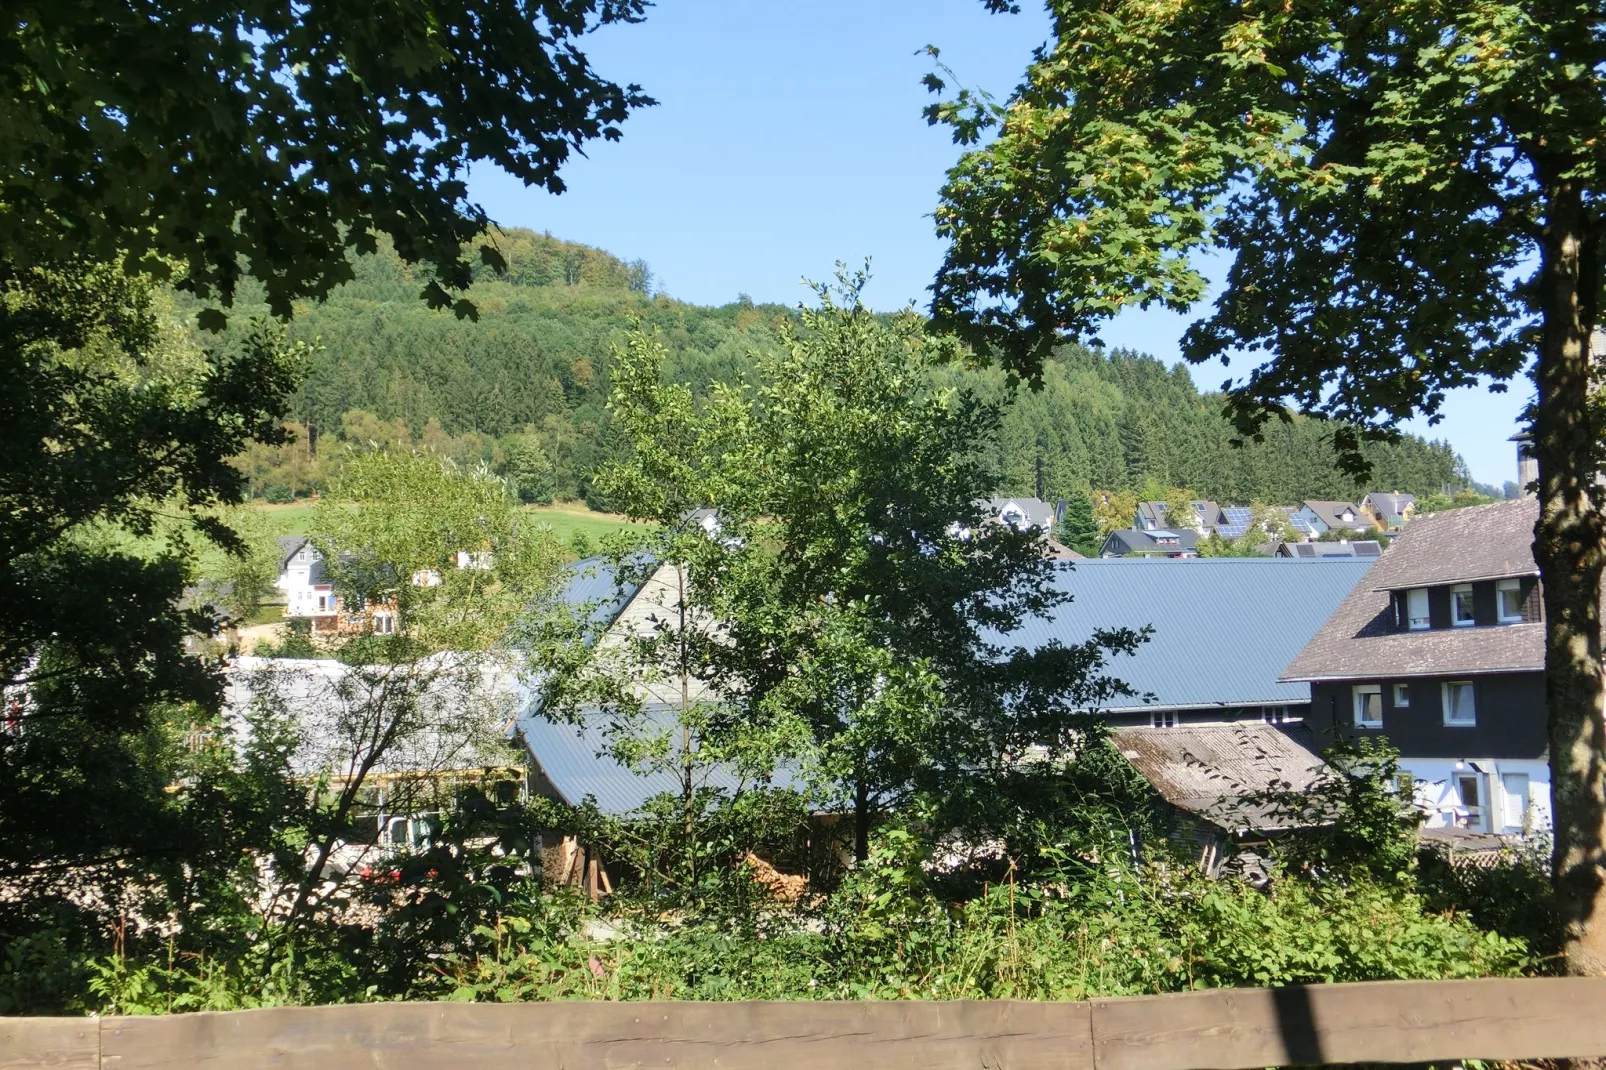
{"x": 861, "y": 819}
{"x": 1568, "y": 549}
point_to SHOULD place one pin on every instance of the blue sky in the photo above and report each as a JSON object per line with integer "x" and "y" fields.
{"x": 789, "y": 136}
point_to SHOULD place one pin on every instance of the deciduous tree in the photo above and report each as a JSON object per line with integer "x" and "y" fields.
{"x": 271, "y": 140}
{"x": 1410, "y": 198}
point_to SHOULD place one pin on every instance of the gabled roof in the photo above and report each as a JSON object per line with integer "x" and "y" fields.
{"x": 1332, "y": 513}
{"x": 1360, "y": 641}
{"x": 1224, "y": 627}
{"x": 288, "y": 545}
{"x": 1479, "y": 542}
{"x": 1208, "y": 769}
{"x": 593, "y": 583}
{"x": 1021, "y": 512}
{"x": 1235, "y": 521}
{"x": 1206, "y": 512}
{"x": 1390, "y": 504}
{"x": 1133, "y": 541}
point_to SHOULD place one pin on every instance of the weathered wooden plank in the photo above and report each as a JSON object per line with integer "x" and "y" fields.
{"x": 59, "y": 1043}
{"x": 1383, "y": 1021}
{"x": 737, "y": 1036}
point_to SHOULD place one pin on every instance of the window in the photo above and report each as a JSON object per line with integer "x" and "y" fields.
{"x": 1277, "y": 715}
{"x": 1516, "y": 792}
{"x": 1368, "y": 706}
{"x": 1460, "y": 707}
{"x": 1402, "y": 696}
{"x": 1163, "y": 719}
{"x": 384, "y": 623}
{"x": 1509, "y": 594}
{"x": 1461, "y": 612}
{"x": 1469, "y": 787}
{"x": 326, "y": 603}
{"x": 1416, "y": 609}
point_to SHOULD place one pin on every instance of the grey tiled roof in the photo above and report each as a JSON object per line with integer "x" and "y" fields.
{"x": 1480, "y": 542}
{"x": 1133, "y": 541}
{"x": 1359, "y": 641}
{"x": 1332, "y": 514}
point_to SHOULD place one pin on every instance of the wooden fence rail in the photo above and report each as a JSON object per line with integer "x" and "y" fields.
{"x": 1225, "y": 1029}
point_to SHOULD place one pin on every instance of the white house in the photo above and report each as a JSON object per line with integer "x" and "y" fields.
{"x": 305, "y": 582}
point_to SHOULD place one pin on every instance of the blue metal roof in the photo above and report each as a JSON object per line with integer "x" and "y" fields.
{"x": 592, "y": 583}
{"x": 1224, "y": 631}
{"x": 1225, "y": 628}
{"x": 574, "y": 760}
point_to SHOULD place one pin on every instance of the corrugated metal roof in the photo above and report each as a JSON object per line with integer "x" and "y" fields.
{"x": 574, "y": 760}
{"x": 592, "y": 582}
{"x": 1224, "y": 628}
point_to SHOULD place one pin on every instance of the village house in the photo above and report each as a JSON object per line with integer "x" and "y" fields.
{"x": 1207, "y": 682}
{"x": 1160, "y": 542}
{"x": 1366, "y": 548}
{"x": 1441, "y": 651}
{"x": 1025, "y": 513}
{"x": 1390, "y": 511}
{"x": 1313, "y": 519}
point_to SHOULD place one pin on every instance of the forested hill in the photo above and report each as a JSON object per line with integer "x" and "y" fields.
{"x": 525, "y": 387}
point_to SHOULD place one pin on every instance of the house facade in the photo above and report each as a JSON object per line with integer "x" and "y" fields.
{"x": 1441, "y": 652}
{"x": 309, "y": 594}
{"x": 1388, "y": 511}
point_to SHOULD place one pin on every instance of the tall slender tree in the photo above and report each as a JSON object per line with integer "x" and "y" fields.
{"x": 1412, "y": 200}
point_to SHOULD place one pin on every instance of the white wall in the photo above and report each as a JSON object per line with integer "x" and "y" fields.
{"x": 1436, "y": 791}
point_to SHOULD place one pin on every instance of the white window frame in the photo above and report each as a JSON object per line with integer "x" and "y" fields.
{"x": 1456, "y": 619}
{"x": 1446, "y": 690}
{"x": 1163, "y": 718}
{"x": 1358, "y": 694}
{"x": 1276, "y": 715}
{"x": 1402, "y": 696}
{"x": 1477, "y": 814}
{"x": 1524, "y": 820}
{"x": 1411, "y": 618}
{"x": 1500, "y": 590}
{"x": 388, "y": 619}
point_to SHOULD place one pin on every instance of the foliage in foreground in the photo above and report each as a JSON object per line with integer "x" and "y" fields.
{"x": 885, "y": 934}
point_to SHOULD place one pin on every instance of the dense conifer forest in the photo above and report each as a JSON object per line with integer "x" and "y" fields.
{"x": 523, "y": 388}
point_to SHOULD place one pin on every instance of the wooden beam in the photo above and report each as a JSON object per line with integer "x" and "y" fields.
{"x": 1378, "y": 1021}
{"x": 63, "y": 1043}
{"x": 575, "y": 1035}
{"x": 1224, "y": 1029}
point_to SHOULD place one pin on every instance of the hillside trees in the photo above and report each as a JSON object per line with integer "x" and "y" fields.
{"x": 1412, "y": 200}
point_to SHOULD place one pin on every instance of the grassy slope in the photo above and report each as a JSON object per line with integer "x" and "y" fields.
{"x": 566, "y": 519}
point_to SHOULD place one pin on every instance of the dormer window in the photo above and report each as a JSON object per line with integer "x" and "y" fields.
{"x": 1462, "y": 614}
{"x": 1509, "y": 601}
{"x": 1416, "y": 610}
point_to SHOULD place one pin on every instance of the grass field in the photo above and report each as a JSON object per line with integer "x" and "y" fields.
{"x": 566, "y": 519}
